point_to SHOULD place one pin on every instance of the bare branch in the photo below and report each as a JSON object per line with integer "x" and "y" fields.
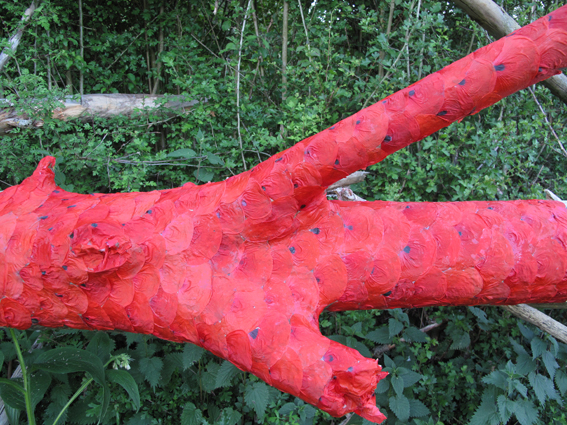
{"x": 238, "y": 84}
{"x": 15, "y": 39}
{"x": 541, "y": 320}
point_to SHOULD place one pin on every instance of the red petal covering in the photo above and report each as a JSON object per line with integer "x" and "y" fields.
{"x": 244, "y": 267}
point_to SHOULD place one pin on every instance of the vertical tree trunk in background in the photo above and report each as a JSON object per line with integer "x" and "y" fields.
{"x": 81, "y": 79}
{"x": 157, "y": 63}
{"x": 388, "y": 30}
{"x": 498, "y": 23}
{"x": 284, "y": 50}
{"x": 15, "y": 39}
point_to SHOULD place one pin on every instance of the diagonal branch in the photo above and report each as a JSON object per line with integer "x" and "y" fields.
{"x": 15, "y": 39}
{"x": 498, "y": 23}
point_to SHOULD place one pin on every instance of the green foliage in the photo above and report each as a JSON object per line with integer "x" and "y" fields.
{"x": 463, "y": 371}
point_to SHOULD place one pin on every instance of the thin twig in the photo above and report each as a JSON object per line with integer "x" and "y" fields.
{"x": 238, "y": 84}
{"x": 305, "y": 28}
{"x": 548, "y": 123}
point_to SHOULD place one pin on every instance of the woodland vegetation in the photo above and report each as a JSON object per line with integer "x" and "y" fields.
{"x": 236, "y": 82}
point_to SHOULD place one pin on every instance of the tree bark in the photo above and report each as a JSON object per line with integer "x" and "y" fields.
{"x": 541, "y": 320}
{"x": 100, "y": 105}
{"x": 15, "y": 39}
{"x": 498, "y": 23}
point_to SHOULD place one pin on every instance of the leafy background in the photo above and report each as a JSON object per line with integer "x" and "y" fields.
{"x": 480, "y": 366}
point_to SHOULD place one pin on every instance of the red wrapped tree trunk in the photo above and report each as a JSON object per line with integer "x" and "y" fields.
{"x": 245, "y": 266}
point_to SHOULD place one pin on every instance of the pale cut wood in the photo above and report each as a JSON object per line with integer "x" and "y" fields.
{"x": 498, "y": 23}
{"x": 353, "y": 178}
{"x": 99, "y": 105}
{"x": 541, "y": 320}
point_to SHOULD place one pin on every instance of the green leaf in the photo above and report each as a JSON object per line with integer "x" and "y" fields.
{"x": 191, "y": 415}
{"x": 397, "y": 384}
{"x": 141, "y": 418}
{"x": 505, "y": 407}
{"x": 542, "y": 386}
{"x": 525, "y": 364}
{"x": 101, "y": 345}
{"x": 68, "y": 360}
{"x": 229, "y": 417}
{"x": 518, "y": 348}
{"x": 39, "y": 383}
{"x": 12, "y": 392}
{"x": 226, "y": 25}
{"x": 394, "y": 327}
{"x": 526, "y": 413}
{"x": 411, "y": 378}
{"x": 415, "y": 335}
{"x": 550, "y": 363}
{"x": 1, "y": 359}
{"x": 225, "y": 374}
{"x": 203, "y": 174}
{"x": 538, "y": 347}
{"x": 526, "y": 332}
{"x": 400, "y": 406}
{"x": 461, "y": 341}
{"x": 380, "y": 336}
{"x": 486, "y": 413}
{"x": 182, "y": 153}
{"x": 209, "y": 378}
{"x": 417, "y": 408}
{"x": 561, "y": 381}
{"x": 521, "y": 388}
{"x": 191, "y": 354}
{"x": 256, "y": 398}
{"x": 383, "y": 386}
{"x": 12, "y": 414}
{"x": 496, "y": 378}
{"x": 125, "y": 380}
{"x": 215, "y": 159}
{"x": 388, "y": 362}
{"x": 173, "y": 361}
{"x": 287, "y": 408}
{"x": 151, "y": 369}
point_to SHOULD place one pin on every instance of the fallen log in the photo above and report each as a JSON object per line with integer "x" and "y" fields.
{"x": 95, "y": 105}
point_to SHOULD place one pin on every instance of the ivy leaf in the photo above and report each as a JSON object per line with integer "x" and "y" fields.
{"x": 191, "y": 415}
{"x": 229, "y": 417}
{"x": 226, "y": 372}
{"x": 182, "y": 153}
{"x": 550, "y": 363}
{"x": 394, "y": 327}
{"x": 257, "y": 398}
{"x": 415, "y": 335}
{"x": 191, "y": 354}
{"x": 380, "y": 336}
{"x": 418, "y": 409}
{"x": 526, "y": 413}
{"x": 125, "y": 380}
{"x": 486, "y": 413}
{"x": 151, "y": 369}
{"x": 397, "y": 384}
{"x": 400, "y": 406}
{"x": 68, "y": 360}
